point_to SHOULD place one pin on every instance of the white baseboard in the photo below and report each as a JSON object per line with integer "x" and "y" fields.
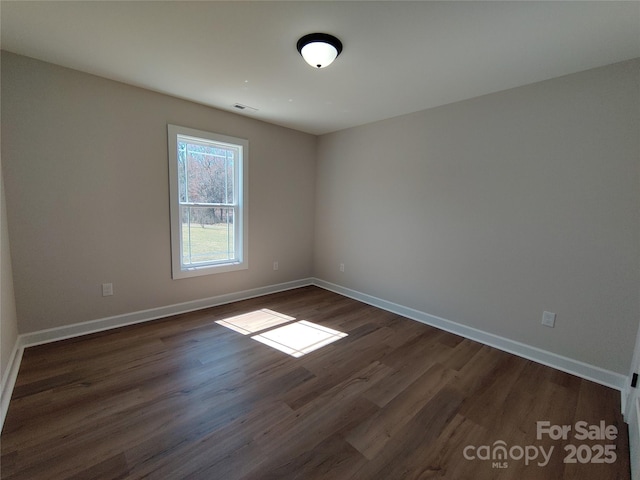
{"x": 559, "y": 362}
{"x": 9, "y": 379}
{"x": 101, "y": 324}
{"x": 633, "y": 419}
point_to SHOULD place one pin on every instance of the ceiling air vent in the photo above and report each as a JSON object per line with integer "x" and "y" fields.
{"x": 240, "y": 106}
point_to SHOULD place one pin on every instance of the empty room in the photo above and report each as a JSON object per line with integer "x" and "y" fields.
{"x": 342, "y": 240}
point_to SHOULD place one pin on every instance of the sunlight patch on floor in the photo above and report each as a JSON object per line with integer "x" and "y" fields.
{"x": 299, "y": 338}
{"x": 294, "y": 338}
{"x": 256, "y": 321}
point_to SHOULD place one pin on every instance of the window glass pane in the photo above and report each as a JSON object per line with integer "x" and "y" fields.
{"x": 209, "y": 176}
{"x": 229, "y": 172}
{"x": 182, "y": 171}
{"x": 207, "y": 235}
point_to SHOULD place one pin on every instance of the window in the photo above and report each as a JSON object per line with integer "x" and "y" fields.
{"x": 207, "y": 186}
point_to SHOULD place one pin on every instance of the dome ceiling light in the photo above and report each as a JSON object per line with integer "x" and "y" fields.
{"x": 319, "y": 49}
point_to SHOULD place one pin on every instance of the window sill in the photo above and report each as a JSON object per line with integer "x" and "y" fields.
{"x": 179, "y": 273}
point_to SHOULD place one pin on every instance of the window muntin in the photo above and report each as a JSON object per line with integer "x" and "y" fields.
{"x": 208, "y": 202}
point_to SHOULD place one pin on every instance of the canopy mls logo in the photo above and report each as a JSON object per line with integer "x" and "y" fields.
{"x": 499, "y": 453}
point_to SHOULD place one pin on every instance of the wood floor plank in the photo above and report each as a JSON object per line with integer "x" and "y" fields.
{"x": 444, "y": 459}
{"x": 410, "y": 443}
{"x": 332, "y": 459}
{"x": 230, "y": 447}
{"x": 320, "y": 453}
{"x": 186, "y": 397}
{"x": 371, "y": 436}
{"x": 114, "y": 468}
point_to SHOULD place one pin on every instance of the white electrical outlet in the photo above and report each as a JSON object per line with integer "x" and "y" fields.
{"x": 275, "y": 265}
{"x": 549, "y": 319}
{"x": 107, "y": 289}
{"x": 342, "y": 267}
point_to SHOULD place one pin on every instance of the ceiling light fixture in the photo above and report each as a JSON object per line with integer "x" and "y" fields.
{"x": 319, "y": 49}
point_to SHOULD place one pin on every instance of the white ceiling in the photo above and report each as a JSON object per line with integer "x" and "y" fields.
{"x": 399, "y": 57}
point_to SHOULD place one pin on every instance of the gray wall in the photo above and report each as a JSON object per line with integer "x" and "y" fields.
{"x": 86, "y": 176}
{"x": 487, "y": 212}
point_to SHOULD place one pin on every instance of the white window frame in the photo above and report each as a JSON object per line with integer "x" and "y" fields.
{"x": 240, "y": 220}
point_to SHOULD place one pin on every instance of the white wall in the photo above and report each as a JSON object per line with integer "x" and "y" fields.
{"x": 487, "y": 212}
{"x": 86, "y": 176}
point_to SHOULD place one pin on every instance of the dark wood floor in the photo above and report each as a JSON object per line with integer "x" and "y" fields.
{"x": 188, "y": 398}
